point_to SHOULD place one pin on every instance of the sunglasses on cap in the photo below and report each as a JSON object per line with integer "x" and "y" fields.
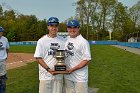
{"x": 72, "y": 27}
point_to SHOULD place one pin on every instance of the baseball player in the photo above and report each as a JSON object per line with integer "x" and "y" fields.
{"x": 78, "y": 52}
{"x": 45, "y": 49}
{"x": 4, "y": 47}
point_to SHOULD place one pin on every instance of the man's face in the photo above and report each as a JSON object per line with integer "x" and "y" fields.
{"x": 73, "y": 31}
{"x": 53, "y": 29}
{"x": 1, "y": 33}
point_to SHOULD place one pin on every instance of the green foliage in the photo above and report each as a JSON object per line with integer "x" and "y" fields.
{"x": 1, "y": 11}
{"x": 135, "y": 15}
{"x": 62, "y": 27}
{"x": 19, "y": 27}
{"x": 11, "y": 35}
{"x": 22, "y": 27}
{"x": 106, "y": 15}
{"x": 99, "y": 16}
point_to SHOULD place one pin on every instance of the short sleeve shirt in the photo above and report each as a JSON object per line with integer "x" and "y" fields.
{"x": 77, "y": 50}
{"x": 45, "y": 49}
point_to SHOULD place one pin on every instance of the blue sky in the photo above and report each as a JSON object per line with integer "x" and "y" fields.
{"x": 43, "y": 9}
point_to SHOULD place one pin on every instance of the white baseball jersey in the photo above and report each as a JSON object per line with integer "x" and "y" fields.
{"x": 77, "y": 50}
{"x": 45, "y": 49}
{"x": 3, "y": 54}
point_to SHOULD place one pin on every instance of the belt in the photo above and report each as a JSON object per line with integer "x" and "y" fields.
{"x": 4, "y": 76}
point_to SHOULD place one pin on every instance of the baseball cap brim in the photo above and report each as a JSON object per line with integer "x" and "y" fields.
{"x": 53, "y": 23}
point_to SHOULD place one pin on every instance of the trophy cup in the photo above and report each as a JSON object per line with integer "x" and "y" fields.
{"x": 60, "y": 57}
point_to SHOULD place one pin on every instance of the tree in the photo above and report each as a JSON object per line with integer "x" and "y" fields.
{"x": 19, "y": 27}
{"x": 1, "y": 11}
{"x": 9, "y": 15}
{"x": 120, "y": 19}
{"x": 135, "y": 15}
{"x": 95, "y": 13}
{"x": 84, "y": 11}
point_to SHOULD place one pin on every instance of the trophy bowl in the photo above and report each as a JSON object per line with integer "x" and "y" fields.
{"x": 60, "y": 57}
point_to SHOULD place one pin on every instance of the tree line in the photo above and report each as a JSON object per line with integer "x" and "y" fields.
{"x": 100, "y": 16}
{"x": 19, "y": 27}
{"x": 97, "y": 18}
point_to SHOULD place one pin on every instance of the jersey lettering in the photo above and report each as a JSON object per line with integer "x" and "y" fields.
{"x": 53, "y": 48}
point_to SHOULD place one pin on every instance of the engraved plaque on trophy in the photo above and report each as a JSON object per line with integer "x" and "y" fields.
{"x": 60, "y": 57}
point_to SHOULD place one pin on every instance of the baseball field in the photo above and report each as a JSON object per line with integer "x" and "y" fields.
{"x": 112, "y": 70}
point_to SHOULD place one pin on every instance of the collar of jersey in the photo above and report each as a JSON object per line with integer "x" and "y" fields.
{"x": 50, "y": 36}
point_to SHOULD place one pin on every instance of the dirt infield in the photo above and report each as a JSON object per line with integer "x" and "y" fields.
{"x": 18, "y": 59}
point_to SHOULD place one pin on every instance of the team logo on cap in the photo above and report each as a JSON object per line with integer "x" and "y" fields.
{"x": 72, "y": 22}
{"x": 52, "y": 20}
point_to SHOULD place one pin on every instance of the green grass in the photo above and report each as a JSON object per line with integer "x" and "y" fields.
{"x": 112, "y": 70}
{"x": 23, "y": 79}
{"x": 22, "y": 49}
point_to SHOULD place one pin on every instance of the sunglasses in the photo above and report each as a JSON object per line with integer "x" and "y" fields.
{"x": 72, "y": 27}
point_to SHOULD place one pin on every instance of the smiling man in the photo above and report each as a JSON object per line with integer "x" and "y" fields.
{"x": 44, "y": 53}
{"x": 78, "y": 52}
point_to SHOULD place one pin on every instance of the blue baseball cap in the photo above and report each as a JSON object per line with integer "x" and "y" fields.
{"x": 53, "y": 21}
{"x": 1, "y": 29}
{"x": 73, "y": 23}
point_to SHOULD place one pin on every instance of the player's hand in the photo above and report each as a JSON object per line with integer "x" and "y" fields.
{"x": 70, "y": 70}
{"x": 53, "y": 72}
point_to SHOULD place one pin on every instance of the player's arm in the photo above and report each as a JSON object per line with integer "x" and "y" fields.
{"x": 44, "y": 65}
{"x": 7, "y": 51}
{"x": 41, "y": 62}
{"x": 86, "y": 58}
{"x": 7, "y": 48}
{"x": 79, "y": 66}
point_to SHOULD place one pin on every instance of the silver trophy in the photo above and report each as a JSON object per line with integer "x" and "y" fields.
{"x": 60, "y": 57}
